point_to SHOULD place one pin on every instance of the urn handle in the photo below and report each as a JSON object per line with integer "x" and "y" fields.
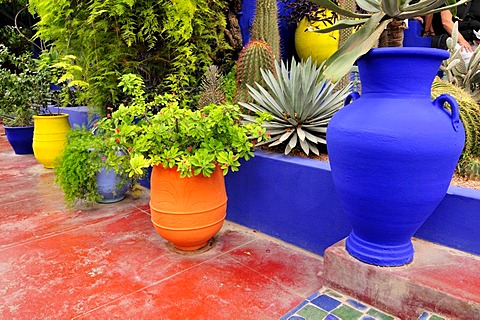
{"x": 352, "y": 96}
{"x": 454, "y": 113}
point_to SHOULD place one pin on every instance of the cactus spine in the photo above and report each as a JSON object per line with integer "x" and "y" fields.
{"x": 255, "y": 55}
{"x": 469, "y": 164}
{"x": 212, "y": 88}
{"x": 261, "y": 51}
{"x": 265, "y": 25}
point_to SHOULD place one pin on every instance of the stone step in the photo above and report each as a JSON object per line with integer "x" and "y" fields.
{"x": 440, "y": 280}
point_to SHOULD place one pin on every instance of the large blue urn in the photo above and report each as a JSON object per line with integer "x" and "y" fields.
{"x": 393, "y": 152}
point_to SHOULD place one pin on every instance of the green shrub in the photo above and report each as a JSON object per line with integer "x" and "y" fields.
{"x": 170, "y": 44}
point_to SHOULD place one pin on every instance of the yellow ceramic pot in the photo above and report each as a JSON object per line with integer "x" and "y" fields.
{"x": 49, "y": 137}
{"x": 319, "y": 46}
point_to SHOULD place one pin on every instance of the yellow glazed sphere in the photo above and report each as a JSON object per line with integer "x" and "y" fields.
{"x": 319, "y": 46}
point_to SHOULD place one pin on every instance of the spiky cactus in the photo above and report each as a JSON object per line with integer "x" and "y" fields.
{"x": 469, "y": 114}
{"x": 212, "y": 88}
{"x": 265, "y": 25}
{"x": 469, "y": 164}
{"x": 469, "y": 168}
{"x": 255, "y": 55}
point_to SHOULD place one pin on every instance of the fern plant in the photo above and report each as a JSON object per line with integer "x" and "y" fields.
{"x": 301, "y": 101}
{"x": 170, "y": 44}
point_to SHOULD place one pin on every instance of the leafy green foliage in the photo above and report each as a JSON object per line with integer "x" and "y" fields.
{"x": 161, "y": 132}
{"x": 82, "y": 159}
{"x": 301, "y": 102}
{"x": 169, "y": 44}
{"x": 24, "y": 88}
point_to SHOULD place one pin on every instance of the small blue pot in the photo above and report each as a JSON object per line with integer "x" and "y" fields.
{"x": 108, "y": 186}
{"x": 20, "y": 138}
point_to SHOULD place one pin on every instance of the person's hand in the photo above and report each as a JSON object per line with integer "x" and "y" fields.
{"x": 465, "y": 45}
{"x": 419, "y": 19}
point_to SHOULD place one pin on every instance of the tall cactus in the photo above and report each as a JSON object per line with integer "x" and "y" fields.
{"x": 255, "y": 55}
{"x": 265, "y": 25}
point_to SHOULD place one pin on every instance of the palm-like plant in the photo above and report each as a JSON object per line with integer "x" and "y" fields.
{"x": 382, "y": 16}
{"x": 301, "y": 101}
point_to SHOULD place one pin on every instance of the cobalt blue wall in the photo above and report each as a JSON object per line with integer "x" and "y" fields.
{"x": 456, "y": 221}
{"x": 294, "y": 199}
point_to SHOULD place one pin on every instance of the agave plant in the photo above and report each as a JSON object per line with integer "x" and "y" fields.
{"x": 382, "y": 16}
{"x": 301, "y": 103}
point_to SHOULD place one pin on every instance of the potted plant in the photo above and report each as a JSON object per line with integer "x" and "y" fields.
{"x": 24, "y": 92}
{"x": 392, "y": 152}
{"x": 190, "y": 151}
{"x": 304, "y": 15}
{"x": 83, "y": 172}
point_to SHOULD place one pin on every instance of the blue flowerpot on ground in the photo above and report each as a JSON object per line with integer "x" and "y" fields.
{"x": 20, "y": 138}
{"x": 393, "y": 152}
{"x": 109, "y": 186}
{"x": 77, "y": 116}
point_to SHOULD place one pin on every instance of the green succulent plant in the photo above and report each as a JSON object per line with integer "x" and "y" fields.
{"x": 161, "y": 132}
{"x": 381, "y": 14}
{"x": 301, "y": 101}
{"x": 458, "y": 72}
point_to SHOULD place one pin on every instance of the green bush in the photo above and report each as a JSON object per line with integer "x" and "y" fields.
{"x": 170, "y": 44}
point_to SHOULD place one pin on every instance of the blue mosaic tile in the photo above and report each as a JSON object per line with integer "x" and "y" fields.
{"x": 326, "y": 303}
{"x": 313, "y": 296}
{"x": 423, "y": 316}
{"x": 357, "y": 305}
{"x": 292, "y": 312}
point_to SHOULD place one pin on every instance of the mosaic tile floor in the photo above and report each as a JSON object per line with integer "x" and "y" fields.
{"x": 328, "y": 304}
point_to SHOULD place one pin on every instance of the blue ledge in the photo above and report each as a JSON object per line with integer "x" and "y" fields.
{"x": 294, "y": 199}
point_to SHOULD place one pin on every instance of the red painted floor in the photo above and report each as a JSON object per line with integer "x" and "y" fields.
{"x": 107, "y": 261}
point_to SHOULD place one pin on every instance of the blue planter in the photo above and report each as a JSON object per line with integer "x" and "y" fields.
{"x": 108, "y": 186}
{"x": 77, "y": 116}
{"x": 393, "y": 152}
{"x": 20, "y": 138}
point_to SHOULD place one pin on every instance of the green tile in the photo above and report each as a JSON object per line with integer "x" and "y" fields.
{"x": 334, "y": 294}
{"x": 346, "y": 313}
{"x": 310, "y": 312}
{"x": 434, "y": 317}
{"x": 379, "y": 315}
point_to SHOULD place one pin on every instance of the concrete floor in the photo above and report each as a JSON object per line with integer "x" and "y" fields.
{"x": 107, "y": 261}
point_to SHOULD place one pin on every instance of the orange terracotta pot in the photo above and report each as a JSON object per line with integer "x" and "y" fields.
{"x": 188, "y": 212}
